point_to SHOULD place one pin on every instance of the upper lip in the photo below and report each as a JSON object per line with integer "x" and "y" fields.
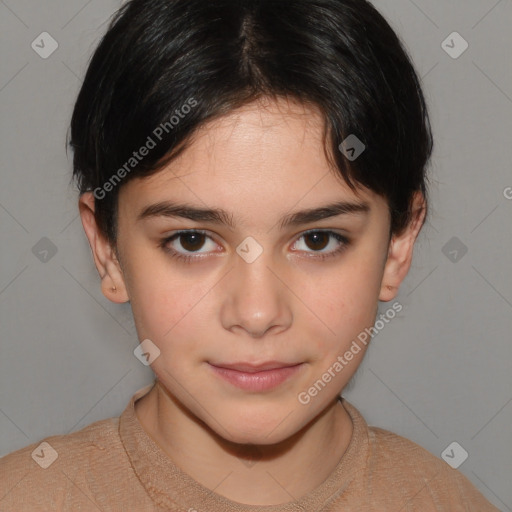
{"x": 253, "y": 368}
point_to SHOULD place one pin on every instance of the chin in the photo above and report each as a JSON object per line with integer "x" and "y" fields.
{"x": 253, "y": 436}
{"x": 255, "y": 429}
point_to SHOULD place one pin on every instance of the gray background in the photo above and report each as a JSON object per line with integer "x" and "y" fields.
{"x": 439, "y": 372}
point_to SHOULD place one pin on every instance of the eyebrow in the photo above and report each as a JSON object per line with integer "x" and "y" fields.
{"x": 220, "y": 216}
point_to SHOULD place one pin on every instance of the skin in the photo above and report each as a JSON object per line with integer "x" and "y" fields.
{"x": 259, "y": 163}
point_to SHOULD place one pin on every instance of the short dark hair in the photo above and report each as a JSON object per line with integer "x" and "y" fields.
{"x": 159, "y": 56}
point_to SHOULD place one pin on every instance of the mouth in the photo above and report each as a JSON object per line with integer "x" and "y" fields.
{"x": 251, "y": 377}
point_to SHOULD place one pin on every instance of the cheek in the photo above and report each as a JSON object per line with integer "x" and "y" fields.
{"x": 170, "y": 314}
{"x": 165, "y": 302}
{"x": 340, "y": 306}
{"x": 173, "y": 317}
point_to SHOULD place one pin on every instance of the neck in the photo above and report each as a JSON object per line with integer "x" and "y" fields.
{"x": 249, "y": 474}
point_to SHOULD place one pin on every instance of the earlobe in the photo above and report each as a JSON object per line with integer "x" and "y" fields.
{"x": 400, "y": 252}
{"x": 105, "y": 259}
{"x": 396, "y": 268}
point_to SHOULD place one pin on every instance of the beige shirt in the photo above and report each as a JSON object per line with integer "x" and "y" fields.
{"x": 114, "y": 465}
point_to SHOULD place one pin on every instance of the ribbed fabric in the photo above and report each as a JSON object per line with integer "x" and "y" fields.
{"x": 113, "y": 465}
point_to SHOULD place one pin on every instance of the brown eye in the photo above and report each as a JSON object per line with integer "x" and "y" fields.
{"x": 319, "y": 240}
{"x": 191, "y": 241}
{"x": 316, "y": 242}
{"x": 188, "y": 245}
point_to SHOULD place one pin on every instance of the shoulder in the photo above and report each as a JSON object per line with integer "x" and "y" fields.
{"x": 58, "y": 468}
{"x": 419, "y": 476}
{"x": 63, "y": 448}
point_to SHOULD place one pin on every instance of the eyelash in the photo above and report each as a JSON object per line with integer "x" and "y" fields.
{"x": 344, "y": 241}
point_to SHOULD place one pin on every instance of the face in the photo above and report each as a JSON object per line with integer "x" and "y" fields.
{"x": 258, "y": 284}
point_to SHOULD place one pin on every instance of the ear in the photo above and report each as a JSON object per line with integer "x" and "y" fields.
{"x": 401, "y": 250}
{"x": 106, "y": 261}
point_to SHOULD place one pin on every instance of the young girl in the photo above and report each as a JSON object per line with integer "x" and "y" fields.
{"x": 252, "y": 180}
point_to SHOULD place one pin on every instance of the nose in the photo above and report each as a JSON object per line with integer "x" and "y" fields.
{"x": 255, "y": 298}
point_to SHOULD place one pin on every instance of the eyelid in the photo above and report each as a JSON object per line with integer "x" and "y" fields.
{"x": 176, "y": 235}
{"x": 343, "y": 242}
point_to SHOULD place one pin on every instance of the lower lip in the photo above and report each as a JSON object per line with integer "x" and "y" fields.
{"x": 258, "y": 381}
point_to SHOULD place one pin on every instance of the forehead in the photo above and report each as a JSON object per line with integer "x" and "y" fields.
{"x": 264, "y": 139}
{"x": 269, "y": 154}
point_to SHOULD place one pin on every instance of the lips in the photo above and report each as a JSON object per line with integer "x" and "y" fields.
{"x": 256, "y": 378}
{"x": 254, "y": 368}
